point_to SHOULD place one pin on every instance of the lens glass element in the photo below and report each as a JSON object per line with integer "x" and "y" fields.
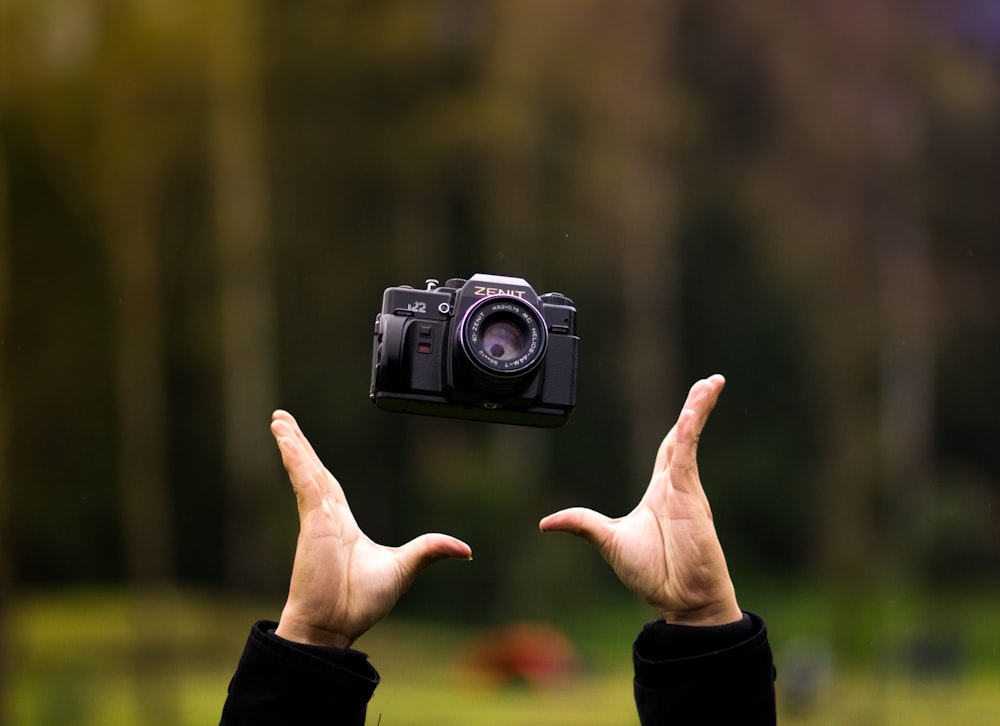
{"x": 503, "y": 340}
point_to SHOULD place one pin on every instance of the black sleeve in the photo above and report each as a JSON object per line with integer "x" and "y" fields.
{"x": 281, "y": 682}
{"x": 722, "y": 674}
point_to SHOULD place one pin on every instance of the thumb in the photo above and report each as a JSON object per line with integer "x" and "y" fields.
{"x": 586, "y": 523}
{"x": 421, "y": 551}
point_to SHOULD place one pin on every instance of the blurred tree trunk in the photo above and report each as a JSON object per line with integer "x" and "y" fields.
{"x": 247, "y": 303}
{"x": 141, "y": 403}
{"x": 6, "y": 577}
{"x": 139, "y": 371}
{"x": 905, "y": 280}
{"x": 127, "y": 186}
{"x": 644, "y": 227}
{"x": 907, "y": 380}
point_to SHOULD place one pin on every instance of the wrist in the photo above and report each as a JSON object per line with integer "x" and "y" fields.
{"x": 306, "y": 634}
{"x": 720, "y": 613}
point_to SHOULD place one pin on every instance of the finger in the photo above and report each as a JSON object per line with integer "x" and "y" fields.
{"x": 662, "y": 461}
{"x": 706, "y": 390}
{"x": 426, "y": 549}
{"x": 301, "y": 474}
{"x": 682, "y": 456}
{"x": 293, "y": 425}
{"x": 310, "y": 480}
{"x": 586, "y": 523}
{"x": 284, "y": 425}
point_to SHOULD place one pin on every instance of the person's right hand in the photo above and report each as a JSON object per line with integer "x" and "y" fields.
{"x": 342, "y": 582}
{"x": 666, "y": 550}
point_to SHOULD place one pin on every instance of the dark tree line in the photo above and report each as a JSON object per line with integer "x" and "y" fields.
{"x": 200, "y": 204}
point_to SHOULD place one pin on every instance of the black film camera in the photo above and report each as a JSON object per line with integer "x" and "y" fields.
{"x": 488, "y": 349}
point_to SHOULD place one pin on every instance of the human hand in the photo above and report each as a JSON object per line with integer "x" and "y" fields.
{"x": 342, "y": 582}
{"x": 666, "y": 550}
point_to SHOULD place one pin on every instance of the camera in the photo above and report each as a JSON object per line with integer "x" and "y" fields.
{"x": 487, "y": 348}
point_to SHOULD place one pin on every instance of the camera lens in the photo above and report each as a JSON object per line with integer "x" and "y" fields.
{"x": 504, "y": 339}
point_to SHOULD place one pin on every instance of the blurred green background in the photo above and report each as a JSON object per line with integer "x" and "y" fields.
{"x": 201, "y": 203}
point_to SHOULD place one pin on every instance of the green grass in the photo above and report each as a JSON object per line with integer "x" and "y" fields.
{"x": 103, "y": 657}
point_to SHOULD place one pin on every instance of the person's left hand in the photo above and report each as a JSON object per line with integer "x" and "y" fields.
{"x": 342, "y": 582}
{"x": 666, "y": 550}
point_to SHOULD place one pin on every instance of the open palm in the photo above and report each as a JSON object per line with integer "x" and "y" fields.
{"x": 666, "y": 550}
{"x": 342, "y": 582}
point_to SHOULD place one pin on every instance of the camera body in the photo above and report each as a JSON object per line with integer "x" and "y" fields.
{"x": 487, "y": 349}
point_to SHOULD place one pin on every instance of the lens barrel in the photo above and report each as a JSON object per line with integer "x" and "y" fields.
{"x": 503, "y": 339}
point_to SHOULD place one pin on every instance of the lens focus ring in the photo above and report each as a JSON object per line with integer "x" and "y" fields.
{"x": 503, "y": 338}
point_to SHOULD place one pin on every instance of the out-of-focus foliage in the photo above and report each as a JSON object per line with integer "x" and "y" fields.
{"x": 799, "y": 195}
{"x": 71, "y": 670}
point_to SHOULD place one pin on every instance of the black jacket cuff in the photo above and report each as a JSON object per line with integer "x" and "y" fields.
{"x": 278, "y": 681}
{"x": 687, "y": 674}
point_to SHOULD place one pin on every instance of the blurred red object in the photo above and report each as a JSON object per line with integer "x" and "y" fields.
{"x": 534, "y": 654}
